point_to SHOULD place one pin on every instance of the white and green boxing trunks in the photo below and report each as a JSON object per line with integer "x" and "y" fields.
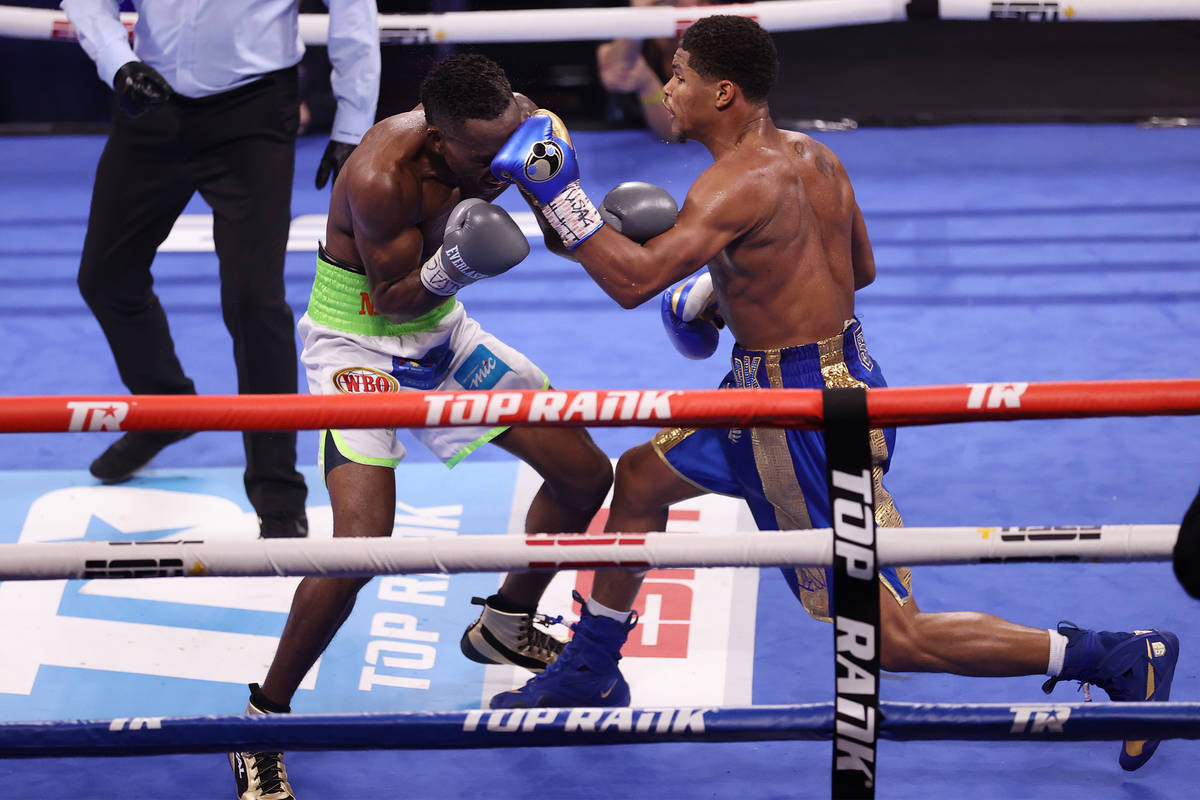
{"x": 350, "y": 349}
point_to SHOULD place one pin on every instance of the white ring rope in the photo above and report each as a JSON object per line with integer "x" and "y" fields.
{"x": 594, "y": 24}
{"x": 386, "y": 556}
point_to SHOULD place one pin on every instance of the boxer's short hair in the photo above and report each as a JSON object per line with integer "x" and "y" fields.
{"x": 729, "y": 47}
{"x": 463, "y": 87}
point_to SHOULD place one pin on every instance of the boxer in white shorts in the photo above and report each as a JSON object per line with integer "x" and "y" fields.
{"x": 410, "y": 224}
{"x": 450, "y": 353}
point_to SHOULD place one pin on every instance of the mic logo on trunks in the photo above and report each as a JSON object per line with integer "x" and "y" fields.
{"x": 544, "y": 162}
{"x": 364, "y": 380}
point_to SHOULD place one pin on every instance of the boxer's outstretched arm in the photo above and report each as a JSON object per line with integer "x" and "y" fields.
{"x": 724, "y": 202}
{"x": 720, "y": 207}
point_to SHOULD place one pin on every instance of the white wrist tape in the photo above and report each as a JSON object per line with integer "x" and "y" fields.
{"x": 572, "y": 215}
{"x": 436, "y": 279}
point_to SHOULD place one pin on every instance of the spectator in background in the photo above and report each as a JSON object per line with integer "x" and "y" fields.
{"x": 207, "y": 100}
{"x": 635, "y": 71}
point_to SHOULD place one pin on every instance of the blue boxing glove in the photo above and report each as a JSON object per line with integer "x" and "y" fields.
{"x": 539, "y": 158}
{"x": 689, "y": 313}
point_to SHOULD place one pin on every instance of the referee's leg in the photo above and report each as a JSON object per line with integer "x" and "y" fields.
{"x": 140, "y": 190}
{"x": 248, "y": 183}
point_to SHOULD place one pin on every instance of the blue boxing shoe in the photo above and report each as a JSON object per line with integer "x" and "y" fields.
{"x": 585, "y": 674}
{"x": 1129, "y": 667}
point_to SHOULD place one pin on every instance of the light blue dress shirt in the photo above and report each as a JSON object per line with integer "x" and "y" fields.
{"x": 204, "y": 47}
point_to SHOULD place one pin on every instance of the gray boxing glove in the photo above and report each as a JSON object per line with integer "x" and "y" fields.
{"x": 481, "y": 240}
{"x": 639, "y": 210}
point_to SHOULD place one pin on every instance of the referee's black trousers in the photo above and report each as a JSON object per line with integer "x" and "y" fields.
{"x": 238, "y": 150}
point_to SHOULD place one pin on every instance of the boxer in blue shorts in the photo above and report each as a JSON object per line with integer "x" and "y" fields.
{"x": 775, "y": 220}
{"x": 743, "y": 462}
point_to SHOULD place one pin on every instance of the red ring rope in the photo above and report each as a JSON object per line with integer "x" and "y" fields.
{"x": 798, "y": 408}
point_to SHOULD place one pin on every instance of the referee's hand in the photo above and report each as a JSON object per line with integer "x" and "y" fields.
{"x": 335, "y": 156}
{"x": 139, "y": 88}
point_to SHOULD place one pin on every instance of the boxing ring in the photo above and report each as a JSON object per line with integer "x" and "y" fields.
{"x": 570, "y": 727}
{"x": 1062, "y": 492}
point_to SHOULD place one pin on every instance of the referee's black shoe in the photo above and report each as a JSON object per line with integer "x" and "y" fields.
{"x": 131, "y": 452}
{"x": 283, "y": 525}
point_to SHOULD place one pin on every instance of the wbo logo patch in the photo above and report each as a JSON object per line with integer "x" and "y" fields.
{"x": 482, "y": 370}
{"x": 364, "y": 380}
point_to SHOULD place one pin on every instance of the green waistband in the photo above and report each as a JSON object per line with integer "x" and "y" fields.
{"x": 341, "y": 300}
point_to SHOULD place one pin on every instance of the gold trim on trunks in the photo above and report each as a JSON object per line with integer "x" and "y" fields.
{"x": 667, "y": 438}
{"x": 837, "y": 375}
{"x": 773, "y": 460}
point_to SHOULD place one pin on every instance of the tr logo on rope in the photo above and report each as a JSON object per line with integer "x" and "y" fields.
{"x": 135, "y": 724}
{"x": 1039, "y": 719}
{"x": 1006, "y": 395}
{"x": 86, "y": 416}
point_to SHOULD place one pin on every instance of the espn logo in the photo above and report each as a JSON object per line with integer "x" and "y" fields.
{"x": 406, "y": 34}
{"x": 1050, "y": 533}
{"x": 1028, "y": 12}
{"x": 134, "y": 568}
{"x": 664, "y": 603}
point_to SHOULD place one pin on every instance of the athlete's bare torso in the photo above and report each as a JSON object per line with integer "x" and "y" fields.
{"x": 422, "y": 193}
{"x": 388, "y": 209}
{"x": 790, "y": 277}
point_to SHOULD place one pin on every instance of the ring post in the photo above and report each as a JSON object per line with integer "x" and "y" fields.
{"x": 855, "y": 591}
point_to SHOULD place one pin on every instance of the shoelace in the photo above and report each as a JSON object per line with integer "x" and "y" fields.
{"x": 268, "y": 767}
{"x": 546, "y": 619}
{"x": 1086, "y": 669}
{"x": 538, "y": 641}
{"x": 568, "y": 654}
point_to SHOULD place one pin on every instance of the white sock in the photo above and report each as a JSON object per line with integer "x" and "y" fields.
{"x": 1058, "y": 652}
{"x": 601, "y": 610}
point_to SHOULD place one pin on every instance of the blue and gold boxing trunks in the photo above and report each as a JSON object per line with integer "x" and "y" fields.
{"x": 781, "y": 473}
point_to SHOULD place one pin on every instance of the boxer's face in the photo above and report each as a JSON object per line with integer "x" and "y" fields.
{"x": 682, "y": 95}
{"x": 468, "y": 151}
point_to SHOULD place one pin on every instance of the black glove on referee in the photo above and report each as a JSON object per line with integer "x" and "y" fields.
{"x": 336, "y": 154}
{"x": 139, "y": 88}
